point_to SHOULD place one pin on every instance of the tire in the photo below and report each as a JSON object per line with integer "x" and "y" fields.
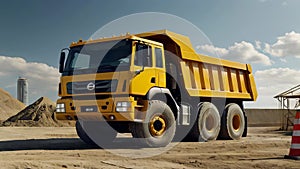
{"x": 158, "y": 128}
{"x": 233, "y": 122}
{"x": 207, "y": 125}
{"x": 95, "y": 132}
{"x": 82, "y": 135}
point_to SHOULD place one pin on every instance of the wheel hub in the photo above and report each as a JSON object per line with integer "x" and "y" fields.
{"x": 209, "y": 123}
{"x": 236, "y": 122}
{"x": 157, "y": 126}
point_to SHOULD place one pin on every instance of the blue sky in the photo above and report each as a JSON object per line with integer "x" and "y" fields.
{"x": 34, "y": 31}
{"x": 38, "y": 29}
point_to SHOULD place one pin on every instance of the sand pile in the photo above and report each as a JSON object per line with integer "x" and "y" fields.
{"x": 9, "y": 106}
{"x": 38, "y": 114}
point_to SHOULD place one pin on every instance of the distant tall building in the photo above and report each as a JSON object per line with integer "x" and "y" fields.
{"x": 22, "y": 90}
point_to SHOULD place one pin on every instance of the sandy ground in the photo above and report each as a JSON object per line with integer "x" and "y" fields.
{"x": 24, "y": 147}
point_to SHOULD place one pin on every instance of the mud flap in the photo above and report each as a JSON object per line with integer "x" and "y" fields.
{"x": 246, "y": 126}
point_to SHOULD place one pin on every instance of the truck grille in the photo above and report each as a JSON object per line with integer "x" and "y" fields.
{"x": 98, "y": 86}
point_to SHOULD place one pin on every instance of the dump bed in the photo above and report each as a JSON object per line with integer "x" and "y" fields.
{"x": 206, "y": 76}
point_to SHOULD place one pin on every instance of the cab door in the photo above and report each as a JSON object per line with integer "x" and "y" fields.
{"x": 159, "y": 61}
{"x": 143, "y": 67}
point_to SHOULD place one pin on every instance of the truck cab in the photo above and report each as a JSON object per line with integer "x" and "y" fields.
{"x": 112, "y": 75}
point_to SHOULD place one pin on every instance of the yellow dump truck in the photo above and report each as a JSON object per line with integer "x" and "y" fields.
{"x": 155, "y": 86}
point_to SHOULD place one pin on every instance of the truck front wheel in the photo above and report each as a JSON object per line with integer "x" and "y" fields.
{"x": 95, "y": 132}
{"x": 233, "y": 122}
{"x": 82, "y": 134}
{"x": 158, "y": 128}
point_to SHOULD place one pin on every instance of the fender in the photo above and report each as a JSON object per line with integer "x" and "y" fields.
{"x": 156, "y": 92}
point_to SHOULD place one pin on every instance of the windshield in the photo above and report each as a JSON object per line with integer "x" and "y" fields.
{"x": 99, "y": 57}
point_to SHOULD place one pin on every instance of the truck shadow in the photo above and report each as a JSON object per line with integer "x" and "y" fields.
{"x": 62, "y": 144}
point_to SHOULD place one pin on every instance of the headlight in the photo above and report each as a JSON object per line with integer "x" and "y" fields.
{"x": 60, "y": 108}
{"x": 122, "y": 106}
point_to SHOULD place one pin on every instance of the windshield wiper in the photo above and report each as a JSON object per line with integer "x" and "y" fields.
{"x": 79, "y": 71}
{"x": 106, "y": 67}
{"x": 84, "y": 71}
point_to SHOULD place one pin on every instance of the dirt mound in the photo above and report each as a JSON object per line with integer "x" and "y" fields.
{"x": 9, "y": 106}
{"x": 38, "y": 114}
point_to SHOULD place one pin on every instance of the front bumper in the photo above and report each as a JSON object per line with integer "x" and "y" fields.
{"x": 102, "y": 110}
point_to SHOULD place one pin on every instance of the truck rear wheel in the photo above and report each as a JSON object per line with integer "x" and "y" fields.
{"x": 233, "y": 122}
{"x": 207, "y": 125}
{"x": 159, "y": 126}
{"x": 95, "y": 132}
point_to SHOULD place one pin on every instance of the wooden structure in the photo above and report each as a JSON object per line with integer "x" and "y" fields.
{"x": 285, "y": 99}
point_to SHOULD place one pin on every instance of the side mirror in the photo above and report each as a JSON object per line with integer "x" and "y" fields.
{"x": 62, "y": 62}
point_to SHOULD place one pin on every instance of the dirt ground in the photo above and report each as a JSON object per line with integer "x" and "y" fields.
{"x": 59, "y": 147}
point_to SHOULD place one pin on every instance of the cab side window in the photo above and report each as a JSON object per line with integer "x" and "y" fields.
{"x": 158, "y": 55}
{"x": 143, "y": 55}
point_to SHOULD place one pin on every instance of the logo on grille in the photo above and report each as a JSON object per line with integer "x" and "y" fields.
{"x": 90, "y": 86}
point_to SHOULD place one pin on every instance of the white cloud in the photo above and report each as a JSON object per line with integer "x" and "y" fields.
{"x": 285, "y": 46}
{"x": 283, "y": 60}
{"x": 271, "y": 82}
{"x": 241, "y": 52}
{"x": 42, "y": 78}
{"x": 282, "y": 77}
{"x": 258, "y": 45}
{"x": 213, "y": 50}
